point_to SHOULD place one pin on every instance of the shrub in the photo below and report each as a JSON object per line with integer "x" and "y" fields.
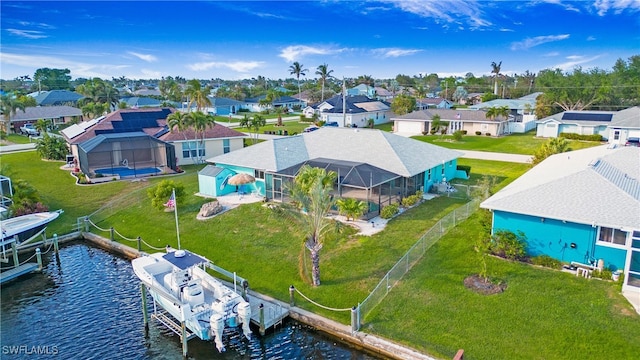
{"x": 488, "y": 134}
{"x": 478, "y": 132}
{"x": 425, "y": 132}
{"x": 508, "y": 245}
{"x": 465, "y": 168}
{"x": 389, "y": 211}
{"x": 546, "y": 261}
{"x": 572, "y": 136}
{"x": 457, "y": 136}
{"x": 160, "y": 194}
{"x": 432, "y": 132}
{"x": 605, "y": 274}
{"x": 464, "y": 132}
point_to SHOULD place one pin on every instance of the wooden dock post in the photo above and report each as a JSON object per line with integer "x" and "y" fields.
{"x": 184, "y": 340}
{"x": 262, "y": 329}
{"x": 143, "y": 291}
{"x": 14, "y": 251}
{"x": 111, "y": 234}
{"x": 139, "y": 244}
{"x": 39, "y": 259}
{"x": 55, "y": 244}
{"x": 86, "y": 224}
{"x": 292, "y": 291}
{"x": 354, "y": 319}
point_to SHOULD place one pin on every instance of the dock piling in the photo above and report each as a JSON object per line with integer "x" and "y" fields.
{"x": 56, "y": 248}
{"x": 184, "y": 340}
{"x": 292, "y": 290}
{"x": 111, "y": 236}
{"x": 143, "y": 291}
{"x": 39, "y": 259}
{"x": 139, "y": 243}
{"x": 14, "y": 251}
{"x": 354, "y": 319}
{"x": 262, "y": 329}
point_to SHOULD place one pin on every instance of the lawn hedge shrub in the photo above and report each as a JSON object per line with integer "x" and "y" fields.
{"x": 546, "y": 261}
{"x": 508, "y": 245}
{"x": 478, "y": 132}
{"x": 572, "y": 136}
{"x": 465, "y": 168}
{"x": 389, "y": 211}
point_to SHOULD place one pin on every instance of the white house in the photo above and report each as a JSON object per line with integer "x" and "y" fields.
{"x": 351, "y": 111}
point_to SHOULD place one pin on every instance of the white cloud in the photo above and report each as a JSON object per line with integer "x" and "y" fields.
{"x": 618, "y": 6}
{"x": 538, "y": 40}
{"x": 29, "y": 34}
{"x": 566, "y": 5}
{"x": 574, "y": 60}
{"x": 552, "y": 54}
{"x": 295, "y": 52}
{"x": 394, "y": 52}
{"x": 78, "y": 69}
{"x": 506, "y": 30}
{"x": 145, "y": 57}
{"x": 40, "y": 25}
{"x": 453, "y": 11}
{"x": 239, "y": 66}
{"x": 591, "y": 38}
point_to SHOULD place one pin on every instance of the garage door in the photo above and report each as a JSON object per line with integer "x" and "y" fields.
{"x": 409, "y": 127}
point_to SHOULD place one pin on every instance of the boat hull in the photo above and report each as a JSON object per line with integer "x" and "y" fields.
{"x": 25, "y": 227}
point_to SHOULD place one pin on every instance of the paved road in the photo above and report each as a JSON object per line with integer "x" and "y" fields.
{"x": 17, "y": 147}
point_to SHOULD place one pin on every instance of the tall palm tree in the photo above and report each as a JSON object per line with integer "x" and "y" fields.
{"x": 495, "y": 69}
{"x": 311, "y": 191}
{"x": 496, "y": 111}
{"x": 421, "y": 93}
{"x": 197, "y": 94}
{"x": 9, "y": 106}
{"x": 324, "y": 73}
{"x": 297, "y": 69}
{"x": 200, "y": 123}
{"x": 178, "y": 121}
{"x": 253, "y": 123}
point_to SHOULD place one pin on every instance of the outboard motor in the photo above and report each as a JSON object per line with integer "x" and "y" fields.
{"x": 244, "y": 313}
{"x": 216, "y": 322}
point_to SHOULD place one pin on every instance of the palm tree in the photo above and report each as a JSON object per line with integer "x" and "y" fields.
{"x": 253, "y": 123}
{"x": 495, "y": 69}
{"x": 9, "y": 106}
{"x": 351, "y": 208}
{"x": 197, "y": 95}
{"x": 366, "y": 80}
{"x": 297, "y": 70}
{"x": 200, "y": 122}
{"x": 41, "y": 125}
{"x": 178, "y": 121}
{"x": 310, "y": 193}
{"x": 421, "y": 93}
{"x": 324, "y": 73}
{"x": 496, "y": 111}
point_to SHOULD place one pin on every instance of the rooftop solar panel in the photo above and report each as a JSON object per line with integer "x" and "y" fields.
{"x": 587, "y": 116}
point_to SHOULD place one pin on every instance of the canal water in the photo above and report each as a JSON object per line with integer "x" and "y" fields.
{"x": 86, "y": 305}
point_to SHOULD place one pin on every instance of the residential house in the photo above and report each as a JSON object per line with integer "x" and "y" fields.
{"x": 223, "y": 106}
{"x": 585, "y": 122}
{"x": 372, "y": 92}
{"x": 140, "y": 140}
{"x": 581, "y": 206}
{"x": 57, "y": 115}
{"x": 147, "y": 91}
{"x": 254, "y": 105}
{"x": 374, "y": 166}
{"x": 138, "y": 102}
{"x": 56, "y": 97}
{"x": 522, "y": 110}
{"x": 625, "y": 127}
{"x": 433, "y": 103}
{"x": 473, "y": 122}
{"x": 471, "y": 99}
{"x": 356, "y": 112}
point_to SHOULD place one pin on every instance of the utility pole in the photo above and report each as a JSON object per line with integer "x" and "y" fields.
{"x": 344, "y": 103}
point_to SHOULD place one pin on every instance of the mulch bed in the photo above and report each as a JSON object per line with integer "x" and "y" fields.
{"x": 479, "y": 285}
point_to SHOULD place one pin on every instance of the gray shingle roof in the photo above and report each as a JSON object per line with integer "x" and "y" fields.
{"x": 45, "y": 112}
{"x": 447, "y": 114}
{"x": 627, "y": 118}
{"x": 390, "y": 152}
{"x": 57, "y": 97}
{"x": 598, "y": 185}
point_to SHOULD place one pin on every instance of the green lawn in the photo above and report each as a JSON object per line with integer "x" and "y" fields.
{"x": 16, "y": 139}
{"x": 524, "y": 144}
{"x": 542, "y": 315}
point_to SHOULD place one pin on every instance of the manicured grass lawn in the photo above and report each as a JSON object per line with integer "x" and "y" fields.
{"x": 542, "y": 315}
{"x": 524, "y": 144}
{"x": 17, "y": 139}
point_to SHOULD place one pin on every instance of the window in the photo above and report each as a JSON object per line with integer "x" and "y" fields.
{"x": 226, "y": 146}
{"x": 614, "y": 236}
{"x": 429, "y": 175}
{"x": 259, "y": 174}
{"x": 616, "y": 135}
{"x": 190, "y": 149}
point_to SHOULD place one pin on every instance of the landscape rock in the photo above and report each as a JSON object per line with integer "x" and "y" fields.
{"x": 210, "y": 209}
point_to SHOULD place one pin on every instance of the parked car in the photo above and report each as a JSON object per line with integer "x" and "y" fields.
{"x": 633, "y": 142}
{"x": 29, "y": 129}
{"x": 311, "y": 128}
{"x": 331, "y": 123}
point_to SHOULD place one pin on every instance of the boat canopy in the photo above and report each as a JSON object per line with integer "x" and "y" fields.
{"x": 183, "y": 262}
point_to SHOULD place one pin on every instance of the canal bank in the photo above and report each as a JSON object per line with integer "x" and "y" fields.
{"x": 369, "y": 343}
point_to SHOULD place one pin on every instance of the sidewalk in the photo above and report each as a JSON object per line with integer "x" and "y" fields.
{"x": 17, "y": 147}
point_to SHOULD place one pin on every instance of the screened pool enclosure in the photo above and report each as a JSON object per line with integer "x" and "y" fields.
{"x": 131, "y": 154}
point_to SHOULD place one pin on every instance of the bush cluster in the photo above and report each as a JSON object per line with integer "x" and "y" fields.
{"x": 465, "y": 168}
{"x": 605, "y": 274}
{"x": 412, "y": 199}
{"x": 389, "y": 211}
{"x": 546, "y": 261}
{"x": 478, "y": 132}
{"x": 571, "y": 136}
{"x": 508, "y": 245}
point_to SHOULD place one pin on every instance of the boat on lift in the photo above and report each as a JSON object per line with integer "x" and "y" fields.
{"x": 178, "y": 282}
{"x": 22, "y": 229}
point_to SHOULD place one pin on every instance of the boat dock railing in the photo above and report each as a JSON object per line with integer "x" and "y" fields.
{"x": 233, "y": 277}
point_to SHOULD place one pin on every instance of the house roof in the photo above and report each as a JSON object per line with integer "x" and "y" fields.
{"x": 91, "y": 144}
{"x": 513, "y": 104}
{"x": 147, "y": 92}
{"x": 627, "y": 118}
{"x": 222, "y": 101}
{"x": 447, "y": 115}
{"x": 216, "y": 132}
{"x": 45, "y": 112}
{"x": 586, "y": 117}
{"x": 397, "y": 154}
{"x": 210, "y": 170}
{"x": 598, "y": 185}
{"x": 137, "y": 101}
{"x": 57, "y": 97}
{"x": 433, "y": 101}
{"x": 354, "y": 104}
{"x": 280, "y": 100}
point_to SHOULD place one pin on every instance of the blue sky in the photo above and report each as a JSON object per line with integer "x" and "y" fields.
{"x": 244, "y": 39}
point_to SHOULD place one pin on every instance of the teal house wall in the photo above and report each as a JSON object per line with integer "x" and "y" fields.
{"x": 562, "y": 240}
{"x": 436, "y": 174}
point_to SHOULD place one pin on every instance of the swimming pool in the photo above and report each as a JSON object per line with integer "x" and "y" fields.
{"x": 127, "y": 172}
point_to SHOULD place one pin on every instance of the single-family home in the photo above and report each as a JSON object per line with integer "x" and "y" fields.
{"x": 625, "y": 127}
{"x": 473, "y": 122}
{"x": 521, "y": 109}
{"x": 433, "y": 103}
{"x": 222, "y": 106}
{"x": 138, "y": 142}
{"x": 351, "y": 111}
{"x": 581, "y": 122}
{"x": 138, "y": 102}
{"x": 254, "y": 104}
{"x": 57, "y": 115}
{"x": 580, "y": 206}
{"x": 56, "y": 97}
{"x": 374, "y": 166}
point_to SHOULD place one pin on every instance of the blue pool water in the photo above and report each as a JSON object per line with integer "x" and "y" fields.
{"x": 125, "y": 171}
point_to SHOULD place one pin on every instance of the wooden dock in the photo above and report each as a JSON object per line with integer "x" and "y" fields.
{"x": 274, "y": 311}
{"x": 14, "y": 273}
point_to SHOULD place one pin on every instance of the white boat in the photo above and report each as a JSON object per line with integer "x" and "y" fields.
{"x": 21, "y": 229}
{"x": 178, "y": 282}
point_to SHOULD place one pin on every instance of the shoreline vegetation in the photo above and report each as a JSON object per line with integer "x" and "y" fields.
{"x": 541, "y": 314}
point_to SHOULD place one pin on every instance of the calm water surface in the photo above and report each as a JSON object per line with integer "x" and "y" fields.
{"x": 86, "y": 305}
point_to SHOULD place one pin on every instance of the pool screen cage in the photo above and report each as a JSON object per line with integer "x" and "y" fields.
{"x": 133, "y": 154}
